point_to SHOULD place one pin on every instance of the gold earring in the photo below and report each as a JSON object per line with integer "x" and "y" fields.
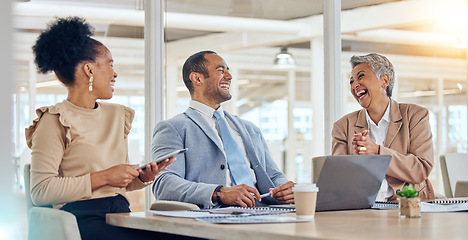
{"x": 90, "y": 88}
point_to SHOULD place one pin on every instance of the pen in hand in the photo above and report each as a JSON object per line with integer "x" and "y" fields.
{"x": 265, "y": 195}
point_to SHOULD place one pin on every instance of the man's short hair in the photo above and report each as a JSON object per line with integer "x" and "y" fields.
{"x": 195, "y": 63}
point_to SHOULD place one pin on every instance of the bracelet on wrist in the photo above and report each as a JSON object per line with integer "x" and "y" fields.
{"x": 146, "y": 183}
{"x": 218, "y": 194}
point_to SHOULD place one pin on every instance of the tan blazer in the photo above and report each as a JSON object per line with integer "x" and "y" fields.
{"x": 409, "y": 141}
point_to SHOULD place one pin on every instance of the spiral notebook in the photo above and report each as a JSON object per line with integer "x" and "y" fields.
{"x": 224, "y": 212}
{"x": 384, "y": 205}
{"x": 230, "y": 219}
{"x": 250, "y": 211}
{"x": 248, "y": 215}
{"x": 445, "y": 201}
{"x": 449, "y": 200}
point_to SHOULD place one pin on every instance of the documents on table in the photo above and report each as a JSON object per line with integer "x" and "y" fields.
{"x": 430, "y": 207}
{"x": 236, "y": 215}
{"x": 251, "y": 211}
{"x": 223, "y": 212}
{"x": 185, "y": 214}
{"x": 441, "y": 205}
{"x": 277, "y": 218}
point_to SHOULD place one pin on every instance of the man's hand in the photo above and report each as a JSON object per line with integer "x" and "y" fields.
{"x": 240, "y": 195}
{"x": 363, "y": 145}
{"x": 283, "y": 193}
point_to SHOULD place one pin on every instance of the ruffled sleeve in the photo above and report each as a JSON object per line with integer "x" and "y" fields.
{"x": 129, "y": 115}
{"x": 48, "y": 137}
{"x": 55, "y": 110}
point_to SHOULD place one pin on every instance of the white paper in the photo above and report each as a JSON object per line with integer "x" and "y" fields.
{"x": 186, "y": 214}
{"x": 429, "y": 207}
{"x": 281, "y": 218}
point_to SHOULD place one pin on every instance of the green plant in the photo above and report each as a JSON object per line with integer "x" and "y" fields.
{"x": 408, "y": 192}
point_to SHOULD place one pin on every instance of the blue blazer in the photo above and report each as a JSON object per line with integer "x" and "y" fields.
{"x": 195, "y": 174}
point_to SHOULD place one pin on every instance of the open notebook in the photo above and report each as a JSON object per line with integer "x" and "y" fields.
{"x": 350, "y": 181}
{"x": 442, "y": 201}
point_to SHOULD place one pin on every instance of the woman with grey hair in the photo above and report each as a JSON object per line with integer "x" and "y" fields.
{"x": 386, "y": 127}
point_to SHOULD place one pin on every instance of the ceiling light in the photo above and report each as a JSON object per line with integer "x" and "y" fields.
{"x": 284, "y": 58}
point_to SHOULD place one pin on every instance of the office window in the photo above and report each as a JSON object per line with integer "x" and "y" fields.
{"x": 426, "y": 42}
{"x": 457, "y": 128}
{"x": 418, "y": 42}
{"x": 263, "y": 92}
{"x": 427, "y": 45}
{"x": 123, "y": 37}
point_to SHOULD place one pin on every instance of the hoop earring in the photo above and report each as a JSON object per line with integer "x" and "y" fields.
{"x": 90, "y": 88}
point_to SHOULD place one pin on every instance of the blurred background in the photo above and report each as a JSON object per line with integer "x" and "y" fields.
{"x": 275, "y": 51}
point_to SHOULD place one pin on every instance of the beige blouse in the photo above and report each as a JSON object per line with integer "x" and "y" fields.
{"x": 69, "y": 143}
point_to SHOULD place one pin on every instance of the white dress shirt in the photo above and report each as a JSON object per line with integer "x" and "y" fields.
{"x": 377, "y": 134}
{"x": 207, "y": 113}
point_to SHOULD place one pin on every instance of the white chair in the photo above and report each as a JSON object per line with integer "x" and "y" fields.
{"x": 454, "y": 167}
{"x": 45, "y": 223}
{"x": 317, "y": 165}
{"x": 164, "y": 205}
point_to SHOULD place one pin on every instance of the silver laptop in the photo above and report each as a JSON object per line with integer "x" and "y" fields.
{"x": 350, "y": 181}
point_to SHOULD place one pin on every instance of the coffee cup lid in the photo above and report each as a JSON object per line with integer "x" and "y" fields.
{"x": 305, "y": 188}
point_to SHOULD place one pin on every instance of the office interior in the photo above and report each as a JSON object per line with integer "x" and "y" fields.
{"x": 290, "y": 98}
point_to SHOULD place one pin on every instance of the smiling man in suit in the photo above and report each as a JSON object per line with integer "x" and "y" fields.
{"x": 228, "y": 161}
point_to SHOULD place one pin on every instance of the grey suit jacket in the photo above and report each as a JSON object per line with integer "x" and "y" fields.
{"x": 195, "y": 174}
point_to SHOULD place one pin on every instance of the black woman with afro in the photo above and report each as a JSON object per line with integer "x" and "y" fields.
{"x": 79, "y": 152}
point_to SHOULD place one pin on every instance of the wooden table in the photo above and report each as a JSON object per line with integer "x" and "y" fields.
{"x": 355, "y": 224}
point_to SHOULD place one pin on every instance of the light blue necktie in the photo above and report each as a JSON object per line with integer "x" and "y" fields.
{"x": 240, "y": 173}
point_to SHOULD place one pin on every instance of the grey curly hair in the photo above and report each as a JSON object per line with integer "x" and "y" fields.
{"x": 380, "y": 65}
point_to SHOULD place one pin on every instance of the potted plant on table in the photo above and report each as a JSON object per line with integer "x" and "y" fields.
{"x": 409, "y": 202}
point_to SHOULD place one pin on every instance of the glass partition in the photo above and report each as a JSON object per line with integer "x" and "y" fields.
{"x": 269, "y": 61}
{"x": 123, "y": 37}
{"x": 426, "y": 42}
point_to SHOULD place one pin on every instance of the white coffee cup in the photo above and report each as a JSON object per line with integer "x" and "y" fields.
{"x": 305, "y": 199}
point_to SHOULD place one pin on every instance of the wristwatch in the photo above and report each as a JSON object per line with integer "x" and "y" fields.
{"x": 218, "y": 194}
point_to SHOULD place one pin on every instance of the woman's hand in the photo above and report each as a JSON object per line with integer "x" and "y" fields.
{"x": 123, "y": 174}
{"x": 151, "y": 169}
{"x": 117, "y": 176}
{"x": 363, "y": 145}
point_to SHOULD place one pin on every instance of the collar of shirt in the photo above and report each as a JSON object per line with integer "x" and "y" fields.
{"x": 379, "y": 132}
{"x": 206, "y": 112}
{"x": 203, "y": 109}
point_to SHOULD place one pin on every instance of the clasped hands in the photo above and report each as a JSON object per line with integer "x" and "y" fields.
{"x": 363, "y": 145}
{"x": 244, "y": 195}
